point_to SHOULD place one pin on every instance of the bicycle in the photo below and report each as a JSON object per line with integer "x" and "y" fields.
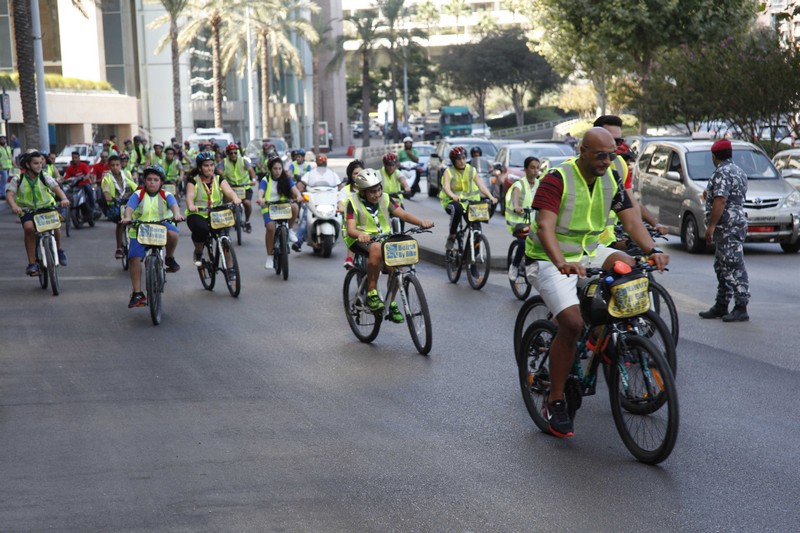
{"x": 153, "y": 236}
{"x": 239, "y": 213}
{"x": 642, "y": 390}
{"x": 400, "y": 252}
{"x": 65, "y": 219}
{"x": 472, "y": 248}
{"x": 46, "y": 221}
{"x": 217, "y": 249}
{"x": 520, "y": 286}
{"x": 281, "y": 213}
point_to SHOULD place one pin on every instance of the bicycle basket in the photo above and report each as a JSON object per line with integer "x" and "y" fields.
{"x": 594, "y": 307}
{"x": 280, "y": 211}
{"x": 629, "y": 296}
{"x": 400, "y": 250}
{"x": 170, "y": 188}
{"x": 221, "y": 218}
{"x": 47, "y": 221}
{"x": 152, "y": 234}
{"x": 478, "y": 212}
{"x": 241, "y": 192}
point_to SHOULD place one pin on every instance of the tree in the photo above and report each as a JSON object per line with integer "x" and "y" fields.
{"x": 324, "y": 43}
{"x": 428, "y": 14}
{"x": 23, "y": 38}
{"x": 457, "y": 9}
{"x": 174, "y": 9}
{"x": 392, "y": 10}
{"x": 470, "y": 72}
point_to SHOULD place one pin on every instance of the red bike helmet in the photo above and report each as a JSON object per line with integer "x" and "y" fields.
{"x": 456, "y": 152}
{"x": 390, "y": 159}
{"x": 231, "y": 148}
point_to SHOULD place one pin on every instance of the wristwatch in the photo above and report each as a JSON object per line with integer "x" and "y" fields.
{"x": 655, "y": 250}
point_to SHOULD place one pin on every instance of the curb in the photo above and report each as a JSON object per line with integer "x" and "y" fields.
{"x": 436, "y": 257}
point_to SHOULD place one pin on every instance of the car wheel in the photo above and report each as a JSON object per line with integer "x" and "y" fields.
{"x": 791, "y": 247}
{"x": 690, "y": 235}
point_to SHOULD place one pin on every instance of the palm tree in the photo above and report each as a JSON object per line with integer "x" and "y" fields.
{"x": 324, "y": 43}
{"x": 458, "y": 9}
{"x": 23, "y": 38}
{"x": 273, "y": 22}
{"x": 174, "y": 9}
{"x": 392, "y": 11}
{"x": 428, "y": 14}
{"x": 367, "y": 30}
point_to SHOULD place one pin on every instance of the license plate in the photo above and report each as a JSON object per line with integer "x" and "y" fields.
{"x": 760, "y": 229}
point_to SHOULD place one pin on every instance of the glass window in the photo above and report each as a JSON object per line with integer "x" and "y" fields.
{"x": 116, "y": 77}
{"x": 794, "y": 162}
{"x": 112, "y": 37}
{"x": 6, "y": 59}
{"x": 658, "y": 164}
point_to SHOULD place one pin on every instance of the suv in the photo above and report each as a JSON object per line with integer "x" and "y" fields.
{"x": 440, "y": 160}
{"x": 670, "y": 177}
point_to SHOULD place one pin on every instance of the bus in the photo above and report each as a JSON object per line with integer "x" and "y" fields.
{"x": 455, "y": 121}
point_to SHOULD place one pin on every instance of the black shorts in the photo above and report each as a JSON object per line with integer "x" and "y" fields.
{"x": 360, "y": 248}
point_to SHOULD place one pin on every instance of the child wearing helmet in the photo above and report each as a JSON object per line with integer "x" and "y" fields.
{"x": 354, "y": 168}
{"x": 298, "y": 167}
{"x": 393, "y": 182}
{"x": 368, "y": 214}
{"x": 157, "y": 156}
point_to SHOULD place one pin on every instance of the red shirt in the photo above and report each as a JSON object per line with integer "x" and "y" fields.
{"x": 98, "y": 170}
{"x": 76, "y": 170}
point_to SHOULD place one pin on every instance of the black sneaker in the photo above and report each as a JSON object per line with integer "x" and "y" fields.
{"x": 172, "y": 265}
{"x": 248, "y": 228}
{"x": 32, "y": 270}
{"x": 138, "y": 299}
{"x": 198, "y": 259}
{"x": 557, "y": 416}
{"x": 296, "y": 247}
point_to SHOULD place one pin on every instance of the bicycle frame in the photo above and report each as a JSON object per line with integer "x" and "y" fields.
{"x": 46, "y": 238}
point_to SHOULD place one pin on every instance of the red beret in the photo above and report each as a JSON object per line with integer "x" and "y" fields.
{"x": 722, "y": 144}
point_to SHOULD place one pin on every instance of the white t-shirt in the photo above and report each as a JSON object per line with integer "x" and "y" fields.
{"x": 321, "y": 177}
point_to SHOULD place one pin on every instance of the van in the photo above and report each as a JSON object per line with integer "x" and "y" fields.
{"x": 209, "y": 135}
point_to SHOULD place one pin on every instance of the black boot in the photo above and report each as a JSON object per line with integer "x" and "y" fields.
{"x": 716, "y": 311}
{"x": 739, "y": 314}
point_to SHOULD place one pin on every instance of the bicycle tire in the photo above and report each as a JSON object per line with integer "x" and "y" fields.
{"x": 364, "y": 323}
{"x": 647, "y": 449}
{"x": 453, "y": 263}
{"x": 238, "y": 219}
{"x": 650, "y": 325}
{"x": 153, "y": 289}
{"x": 125, "y": 242}
{"x": 208, "y": 270}
{"x": 418, "y": 316}
{"x": 478, "y": 271}
{"x": 661, "y": 299}
{"x": 276, "y": 253}
{"x": 520, "y": 290}
{"x": 534, "y": 369}
{"x": 234, "y": 285}
{"x": 43, "y": 279}
{"x": 52, "y": 268}
{"x": 284, "y": 252}
{"x": 533, "y": 309}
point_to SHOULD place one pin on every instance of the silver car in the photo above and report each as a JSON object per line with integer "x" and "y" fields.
{"x": 670, "y": 177}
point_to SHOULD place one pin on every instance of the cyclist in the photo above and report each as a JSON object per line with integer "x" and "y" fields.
{"x": 188, "y": 154}
{"x": 139, "y": 155}
{"x": 574, "y": 204}
{"x": 126, "y": 164}
{"x": 99, "y": 169}
{"x": 407, "y": 153}
{"x": 369, "y": 211}
{"x": 393, "y": 182}
{"x": 460, "y": 183}
{"x": 518, "y": 197}
{"x": 173, "y": 169}
{"x": 117, "y": 186}
{"x": 50, "y": 166}
{"x": 268, "y": 151}
{"x": 354, "y": 168}
{"x": 239, "y": 173}
{"x": 33, "y": 190}
{"x": 156, "y": 157}
{"x": 6, "y": 164}
{"x": 298, "y": 167}
{"x": 276, "y": 186}
{"x": 151, "y": 204}
{"x": 107, "y": 148}
{"x": 205, "y": 189}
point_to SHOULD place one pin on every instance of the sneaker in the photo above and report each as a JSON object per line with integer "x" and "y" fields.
{"x": 374, "y": 301}
{"x": 296, "y": 247}
{"x": 557, "y": 416}
{"x": 716, "y": 311}
{"x": 248, "y": 228}
{"x": 172, "y": 265}
{"x": 451, "y": 243}
{"x": 198, "y": 259}
{"x": 268, "y": 265}
{"x": 513, "y": 273}
{"x": 138, "y": 299}
{"x": 62, "y": 258}
{"x": 348, "y": 263}
{"x": 32, "y": 270}
{"x": 395, "y": 315}
{"x": 292, "y": 236}
{"x": 118, "y": 254}
{"x": 739, "y": 314}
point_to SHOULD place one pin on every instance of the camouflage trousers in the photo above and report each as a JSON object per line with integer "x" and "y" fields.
{"x": 732, "y": 281}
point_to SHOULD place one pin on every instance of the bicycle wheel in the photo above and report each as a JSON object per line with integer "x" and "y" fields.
{"x": 478, "y": 271}
{"x": 650, "y": 432}
{"x": 661, "y": 302}
{"x": 534, "y": 369}
{"x": 125, "y": 242}
{"x": 418, "y": 317}
{"x": 284, "y": 247}
{"x": 533, "y": 309}
{"x": 652, "y": 327}
{"x": 42, "y": 270}
{"x": 52, "y": 268}
{"x": 208, "y": 270}
{"x": 238, "y": 223}
{"x": 233, "y": 277}
{"x": 520, "y": 286}
{"x": 364, "y": 323}
{"x": 452, "y": 262}
{"x": 152, "y": 266}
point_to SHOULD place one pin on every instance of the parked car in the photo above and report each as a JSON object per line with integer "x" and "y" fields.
{"x": 638, "y": 143}
{"x": 254, "y": 148}
{"x": 440, "y": 159}
{"x": 671, "y": 176}
{"x": 89, "y": 153}
{"x": 788, "y": 164}
{"x": 511, "y": 160}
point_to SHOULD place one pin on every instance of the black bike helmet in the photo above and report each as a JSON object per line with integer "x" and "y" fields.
{"x": 154, "y": 170}
{"x": 475, "y": 150}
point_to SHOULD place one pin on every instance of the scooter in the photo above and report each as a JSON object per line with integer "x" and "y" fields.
{"x": 323, "y": 219}
{"x": 79, "y": 210}
{"x": 410, "y": 171}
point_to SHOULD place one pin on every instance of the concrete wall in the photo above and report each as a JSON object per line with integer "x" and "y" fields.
{"x": 332, "y": 85}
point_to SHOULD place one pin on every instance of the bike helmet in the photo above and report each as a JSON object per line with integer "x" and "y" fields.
{"x": 302, "y": 152}
{"x": 366, "y": 179}
{"x": 475, "y": 150}
{"x": 158, "y": 143}
{"x": 25, "y": 158}
{"x": 390, "y": 159}
{"x": 231, "y": 148}
{"x": 123, "y": 155}
{"x": 204, "y": 156}
{"x": 407, "y": 139}
{"x": 456, "y": 152}
{"x": 157, "y": 170}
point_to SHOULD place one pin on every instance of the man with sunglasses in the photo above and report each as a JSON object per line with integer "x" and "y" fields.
{"x": 574, "y": 203}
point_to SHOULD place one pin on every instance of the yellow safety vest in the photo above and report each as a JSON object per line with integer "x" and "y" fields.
{"x": 512, "y": 218}
{"x": 118, "y": 189}
{"x": 365, "y": 221}
{"x": 268, "y": 195}
{"x": 201, "y": 196}
{"x": 34, "y": 193}
{"x": 170, "y": 170}
{"x": 6, "y": 158}
{"x": 461, "y": 184}
{"x": 150, "y": 209}
{"x": 237, "y": 173}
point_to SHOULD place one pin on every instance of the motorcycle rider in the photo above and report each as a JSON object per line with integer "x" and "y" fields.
{"x": 276, "y": 186}
{"x": 369, "y": 211}
{"x": 460, "y": 183}
{"x": 150, "y": 205}
{"x": 407, "y": 153}
{"x": 518, "y": 197}
{"x": 321, "y": 176}
{"x": 79, "y": 169}
{"x": 33, "y": 190}
{"x": 239, "y": 173}
{"x": 117, "y": 186}
{"x": 100, "y": 168}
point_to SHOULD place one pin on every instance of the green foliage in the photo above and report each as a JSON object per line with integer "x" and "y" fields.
{"x": 532, "y": 116}
{"x": 10, "y": 81}
{"x": 630, "y": 126}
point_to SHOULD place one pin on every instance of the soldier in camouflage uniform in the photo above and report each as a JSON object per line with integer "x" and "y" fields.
{"x": 727, "y": 227}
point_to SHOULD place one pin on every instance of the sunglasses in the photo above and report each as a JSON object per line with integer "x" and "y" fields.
{"x": 600, "y": 156}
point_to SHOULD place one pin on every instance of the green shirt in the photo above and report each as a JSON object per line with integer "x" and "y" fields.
{"x": 403, "y": 155}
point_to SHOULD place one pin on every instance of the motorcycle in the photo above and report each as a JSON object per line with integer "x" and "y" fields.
{"x": 323, "y": 219}
{"x": 79, "y": 207}
{"x": 410, "y": 171}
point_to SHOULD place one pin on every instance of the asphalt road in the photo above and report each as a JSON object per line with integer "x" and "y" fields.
{"x": 264, "y": 413}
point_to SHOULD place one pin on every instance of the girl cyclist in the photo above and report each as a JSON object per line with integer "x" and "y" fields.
{"x": 353, "y": 170}
{"x": 276, "y": 186}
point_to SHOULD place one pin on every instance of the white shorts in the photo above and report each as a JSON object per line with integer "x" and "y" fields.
{"x": 557, "y": 290}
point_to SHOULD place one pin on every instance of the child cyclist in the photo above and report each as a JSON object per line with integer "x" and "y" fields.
{"x": 369, "y": 212}
{"x": 354, "y": 168}
{"x": 276, "y": 186}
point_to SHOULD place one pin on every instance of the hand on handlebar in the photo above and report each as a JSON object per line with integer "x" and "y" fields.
{"x": 660, "y": 261}
{"x": 572, "y": 268}
{"x": 426, "y": 224}
{"x": 365, "y": 238}
{"x": 16, "y": 210}
{"x": 125, "y": 221}
{"x": 493, "y": 199}
{"x": 179, "y": 218}
{"x": 64, "y": 203}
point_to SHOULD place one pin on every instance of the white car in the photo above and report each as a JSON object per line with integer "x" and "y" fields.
{"x": 89, "y": 153}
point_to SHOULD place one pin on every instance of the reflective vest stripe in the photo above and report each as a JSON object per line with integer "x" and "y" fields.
{"x": 239, "y": 175}
{"x": 526, "y": 201}
{"x": 33, "y": 193}
{"x": 6, "y": 159}
{"x": 201, "y": 198}
{"x": 365, "y": 221}
{"x": 171, "y": 170}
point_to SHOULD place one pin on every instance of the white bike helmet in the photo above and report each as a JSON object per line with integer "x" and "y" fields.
{"x": 408, "y": 139}
{"x": 366, "y": 179}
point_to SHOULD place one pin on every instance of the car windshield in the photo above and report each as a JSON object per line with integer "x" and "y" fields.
{"x": 424, "y": 149}
{"x": 80, "y": 148}
{"x": 755, "y": 164}
{"x": 516, "y": 156}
